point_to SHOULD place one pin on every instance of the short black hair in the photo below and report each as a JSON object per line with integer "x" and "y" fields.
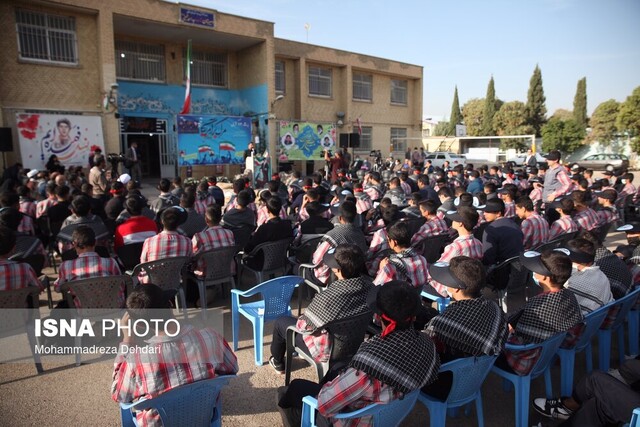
{"x": 583, "y": 246}
{"x": 134, "y": 205}
{"x": 424, "y": 179}
{"x": 491, "y": 186}
{"x": 239, "y": 185}
{"x": 390, "y": 214}
{"x": 469, "y": 217}
{"x": 10, "y": 218}
{"x": 62, "y": 191}
{"x": 526, "y": 203}
{"x": 81, "y": 205}
{"x": 273, "y": 186}
{"x": 7, "y": 240}
{"x": 148, "y": 301}
{"x": 164, "y": 185}
{"x": 348, "y": 211}
{"x": 214, "y": 213}
{"x": 445, "y": 191}
{"x": 579, "y": 198}
{"x": 567, "y": 206}
{"x": 188, "y": 199}
{"x": 274, "y": 205}
{"x": 471, "y": 272}
{"x": 83, "y": 237}
{"x": 429, "y": 206}
{"x": 243, "y": 198}
{"x": 399, "y": 301}
{"x": 590, "y": 236}
{"x": 351, "y": 260}
{"x": 9, "y": 199}
{"x": 399, "y": 231}
{"x": 559, "y": 265}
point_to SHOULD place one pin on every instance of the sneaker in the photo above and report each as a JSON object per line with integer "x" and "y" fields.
{"x": 552, "y": 408}
{"x": 277, "y": 366}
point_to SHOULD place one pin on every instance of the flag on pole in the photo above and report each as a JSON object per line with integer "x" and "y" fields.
{"x": 359, "y": 124}
{"x": 227, "y": 146}
{"x": 186, "y": 107}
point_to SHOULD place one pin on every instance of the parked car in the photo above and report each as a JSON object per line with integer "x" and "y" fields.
{"x": 520, "y": 158}
{"x": 603, "y": 161}
{"x": 439, "y": 157}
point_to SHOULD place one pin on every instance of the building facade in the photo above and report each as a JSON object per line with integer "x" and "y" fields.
{"x": 121, "y": 65}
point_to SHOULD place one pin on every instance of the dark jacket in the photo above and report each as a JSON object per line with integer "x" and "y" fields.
{"x": 236, "y": 218}
{"x": 271, "y": 231}
{"x": 501, "y": 240}
{"x": 315, "y": 225}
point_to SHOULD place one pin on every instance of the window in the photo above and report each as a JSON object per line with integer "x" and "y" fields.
{"x": 139, "y": 61}
{"x": 207, "y": 69}
{"x": 320, "y": 81}
{"x": 280, "y": 86}
{"x": 49, "y": 38}
{"x": 362, "y": 87}
{"x": 366, "y": 138}
{"x": 399, "y": 92}
{"x": 399, "y": 139}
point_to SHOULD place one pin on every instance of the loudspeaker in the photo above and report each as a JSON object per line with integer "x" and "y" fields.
{"x": 344, "y": 140}
{"x": 6, "y": 140}
{"x": 355, "y": 140}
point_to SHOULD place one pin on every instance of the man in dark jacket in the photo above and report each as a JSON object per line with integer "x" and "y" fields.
{"x": 273, "y": 230}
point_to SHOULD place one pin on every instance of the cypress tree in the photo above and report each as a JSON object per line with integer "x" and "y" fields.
{"x": 489, "y": 110}
{"x": 580, "y": 104}
{"x": 456, "y": 115}
{"x": 536, "y": 110}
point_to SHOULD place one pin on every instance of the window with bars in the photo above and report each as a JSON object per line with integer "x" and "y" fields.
{"x": 48, "y": 38}
{"x": 366, "y": 138}
{"x": 362, "y": 87}
{"x": 140, "y": 61}
{"x": 280, "y": 83}
{"x": 399, "y": 92}
{"x": 320, "y": 81}
{"x": 399, "y": 139}
{"x": 207, "y": 69}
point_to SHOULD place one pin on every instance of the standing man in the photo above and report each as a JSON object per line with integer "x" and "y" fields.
{"x": 98, "y": 179}
{"x": 556, "y": 183}
{"x": 530, "y": 159}
{"x": 133, "y": 162}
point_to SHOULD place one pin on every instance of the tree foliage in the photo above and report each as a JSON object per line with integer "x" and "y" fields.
{"x": 511, "y": 119}
{"x": 441, "y": 128}
{"x": 628, "y": 120}
{"x": 473, "y": 115}
{"x": 562, "y": 114}
{"x": 603, "y": 121}
{"x": 580, "y": 104}
{"x": 536, "y": 111}
{"x": 456, "y": 115}
{"x": 490, "y": 109}
{"x": 563, "y": 135}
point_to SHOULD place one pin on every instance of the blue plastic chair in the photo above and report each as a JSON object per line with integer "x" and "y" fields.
{"x": 633, "y": 320}
{"x": 468, "y": 375}
{"x": 622, "y": 306}
{"x": 522, "y": 384}
{"x": 442, "y": 302}
{"x": 592, "y": 322}
{"x": 276, "y": 295}
{"x": 195, "y": 404}
{"x": 635, "y": 419}
{"x": 384, "y": 415}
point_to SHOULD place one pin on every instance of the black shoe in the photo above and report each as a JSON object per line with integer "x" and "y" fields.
{"x": 276, "y": 365}
{"x": 552, "y": 408}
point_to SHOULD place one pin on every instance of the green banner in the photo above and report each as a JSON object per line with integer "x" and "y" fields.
{"x": 305, "y": 141}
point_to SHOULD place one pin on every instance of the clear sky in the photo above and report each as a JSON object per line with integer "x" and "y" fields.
{"x": 464, "y": 42}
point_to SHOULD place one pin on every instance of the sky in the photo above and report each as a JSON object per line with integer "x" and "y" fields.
{"x": 465, "y": 42}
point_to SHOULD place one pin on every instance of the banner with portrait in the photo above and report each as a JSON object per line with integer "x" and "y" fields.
{"x": 305, "y": 141}
{"x": 212, "y": 140}
{"x": 72, "y": 138}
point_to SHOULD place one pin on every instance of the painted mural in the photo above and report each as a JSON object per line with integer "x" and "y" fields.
{"x": 305, "y": 141}
{"x": 212, "y": 140}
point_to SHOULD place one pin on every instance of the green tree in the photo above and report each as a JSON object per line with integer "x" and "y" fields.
{"x": 441, "y": 128}
{"x": 562, "y": 114}
{"x": 490, "y": 109}
{"x": 456, "y": 115}
{"x": 580, "y": 104}
{"x": 563, "y": 135}
{"x": 511, "y": 119}
{"x": 628, "y": 120}
{"x": 536, "y": 110}
{"x": 603, "y": 121}
{"x": 472, "y": 112}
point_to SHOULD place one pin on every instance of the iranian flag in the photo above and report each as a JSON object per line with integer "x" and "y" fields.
{"x": 227, "y": 146}
{"x": 204, "y": 149}
{"x": 186, "y": 107}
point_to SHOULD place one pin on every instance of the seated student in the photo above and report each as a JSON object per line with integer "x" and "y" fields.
{"x": 446, "y": 201}
{"x": 363, "y": 201}
{"x": 607, "y": 211}
{"x": 535, "y": 229}
{"x": 59, "y": 211}
{"x": 385, "y": 368}
{"x": 43, "y": 205}
{"x": 240, "y": 185}
{"x": 137, "y": 227}
{"x": 585, "y": 217}
{"x": 164, "y": 362}
{"x": 346, "y": 297}
{"x": 204, "y": 198}
{"x": 240, "y": 215}
{"x": 13, "y": 275}
{"x": 404, "y": 263}
{"x": 611, "y": 265}
{"x": 10, "y": 199}
{"x": 165, "y": 199}
{"x": 215, "y": 236}
{"x": 433, "y": 226}
{"x": 508, "y": 195}
{"x": 396, "y": 193}
{"x": 379, "y": 246}
{"x": 565, "y": 224}
{"x": 26, "y": 245}
{"x": 115, "y": 205}
{"x": 501, "y": 238}
{"x": 588, "y": 283}
{"x": 263, "y": 214}
{"x": 81, "y": 214}
{"x": 195, "y": 222}
{"x": 215, "y": 191}
{"x": 599, "y": 399}
{"x": 553, "y": 311}
{"x": 273, "y": 230}
{"x": 168, "y": 243}
{"x": 316, "y": 223}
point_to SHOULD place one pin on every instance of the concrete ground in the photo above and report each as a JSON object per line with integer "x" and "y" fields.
{"x": 65, "y": 395}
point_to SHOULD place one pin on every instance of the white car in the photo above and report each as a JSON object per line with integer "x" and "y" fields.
{"x": 439, "y": 157}
{"x": 520, "y": 158}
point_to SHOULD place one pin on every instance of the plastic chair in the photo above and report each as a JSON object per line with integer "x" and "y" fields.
{"x": 468, "y": 375}
{"x": 346, "y": 336}
{"x": 12, "y": 323}
{"x": 276, "y": 295}
{"x": 633, "y": 319}
{"x": 432, "y": 247}
{"x": 441, "y": 302}
{"x": 553, "y": 244}
{"x": 614, "y": 322}
{"x": 384, "y": 415}
{"x": 45, "y": 227}
{"x": 306, "y": 271}
{"x": 241, "y": 235}
{"x": 522, "y": 384}
{"x": 129, "y": 255}
{"x": 592, "y": 322}
{"x": 167, "y": 273}
{"x": 509, "y": 275}
{"x": 36, "y": 261}
{"x": 275, "y": 260}
{"x": 635, "y": 419}
{"x": 195, "y": 404}
{"x": 101, "y": 295}
{"x": 217, "y": 271}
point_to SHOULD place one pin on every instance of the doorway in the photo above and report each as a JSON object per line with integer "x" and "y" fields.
{"x": 149, "y": 152}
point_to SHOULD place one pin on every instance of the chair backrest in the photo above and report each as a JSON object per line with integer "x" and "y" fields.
{"x": 564, "y": 238}
{"x": 619, "y": 309}
{"x": 217, "y": 262}
{"x": 556, "y": 243}
{"x": 509, "y": 273}
{"x": 548, "y": 349}
{"x": 468, "y": 375}
{"x": 592, "y": 322}
{"x": 388, "y": 415}
{"x": 305, "y": 251}
{"x": 275, "y": 253}
{"x": 602, "y": 231}
{"x": 276, "y": 294}
{"x": 194, "y": 404}
{"x": 347, "y": 334}
{"x": 36, "y": 261}
{"x": 241, "y": 235}
{"x": 414, "y": 224}
{"x": 167, "y": 273}
{"x": 129, "y": 254}
{"x": 17, "y": 298}
{"x": 635, "y": 418}
{"x": 433, "y": 246}
{"x": 98, "y": 292}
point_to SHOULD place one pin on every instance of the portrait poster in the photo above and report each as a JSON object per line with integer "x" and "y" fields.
{"x": 212, "y": 140}
{"x": 72, "y": 138}
{"x": 305, "y": 141}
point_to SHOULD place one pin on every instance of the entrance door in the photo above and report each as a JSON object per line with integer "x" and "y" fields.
{"x": 168, "y": 156}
